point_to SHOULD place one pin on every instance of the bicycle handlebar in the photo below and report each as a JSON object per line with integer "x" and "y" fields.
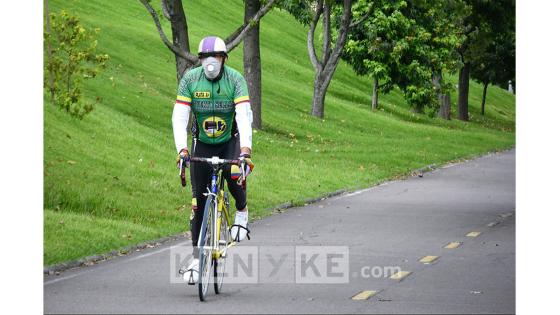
{"x": 213, "y": 161}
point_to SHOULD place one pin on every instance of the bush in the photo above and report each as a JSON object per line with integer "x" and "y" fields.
{"x": 71, "y": 58}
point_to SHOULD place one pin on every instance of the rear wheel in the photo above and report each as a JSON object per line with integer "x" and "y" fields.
{"x": 205, "y": 250}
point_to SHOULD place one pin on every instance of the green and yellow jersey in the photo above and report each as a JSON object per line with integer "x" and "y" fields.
{"x": 213, "y": 103}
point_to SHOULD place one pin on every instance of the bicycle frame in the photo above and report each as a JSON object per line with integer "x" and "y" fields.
{"x": 220, "y": 212}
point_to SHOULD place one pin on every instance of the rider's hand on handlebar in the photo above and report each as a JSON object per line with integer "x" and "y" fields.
{"x": 185, "y": 156}
{"x": 245, "y": 151}
{"x": 246, "y": 163}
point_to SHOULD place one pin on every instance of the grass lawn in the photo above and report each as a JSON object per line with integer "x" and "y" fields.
{"x": 110, "y": 179}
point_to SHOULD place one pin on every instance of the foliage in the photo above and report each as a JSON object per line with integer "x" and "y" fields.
{"x": 72, "y": 57}
{"x": 404, "y": 43}
{"x": 479, "y": 24}
{"x": 496, "y": 63}
{"x": 300, "y": 10}
{"x": 370, "y": 45}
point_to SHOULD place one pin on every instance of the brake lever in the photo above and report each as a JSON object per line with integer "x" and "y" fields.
{"x": 182, "y": 173}
{"x": 180, "y": 166}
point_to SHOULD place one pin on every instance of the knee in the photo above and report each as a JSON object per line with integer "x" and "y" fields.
{"x": 240, "y": 205}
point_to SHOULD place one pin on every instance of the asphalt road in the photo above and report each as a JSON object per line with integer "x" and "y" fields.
{"x": 315, "y": 259}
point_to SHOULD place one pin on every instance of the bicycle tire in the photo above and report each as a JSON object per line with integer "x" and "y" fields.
{"x": 220, "y": 263}
{"x": 205, "y": 255}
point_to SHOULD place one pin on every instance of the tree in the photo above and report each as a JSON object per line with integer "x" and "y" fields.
{"x": 443, "y": 20}
{"x": 448, "y": 38}
{"x": 486, "y": 19}
{"x": 325, "y": 67}
{"x": 309, "y": 13}
{"x": 496, "y": 65}
{"x": 408, "y": 44}
{"x": 370, "y": 45}
{"x": 429, "y": 52}
{"x": 252, "y": 61}
{"x": 71, "y": 58}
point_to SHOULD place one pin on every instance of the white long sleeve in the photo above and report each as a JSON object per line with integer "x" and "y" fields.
{"x": 180, "y": 120}
{"x": 244, "y": 119}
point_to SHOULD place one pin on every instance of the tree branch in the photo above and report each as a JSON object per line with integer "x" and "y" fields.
{"x": 236, "y": 33}
{"x": 342, "y": 33}
{"x": 165, "y": 10}
{"x": 179, "y": 52}
{"x": 254, "y": 20}
{"x": 363, "y": 18}
{"x": 311, "y": 35}
{"x": 327, "y": 36}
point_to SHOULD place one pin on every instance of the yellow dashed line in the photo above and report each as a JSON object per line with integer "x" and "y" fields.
{"x": 400, "y": 275}
{"x": 364, "y": 295}
{"x": 428, "y": 259}
{"x": 473, "y": 234}
{"x": 453, "y": 245}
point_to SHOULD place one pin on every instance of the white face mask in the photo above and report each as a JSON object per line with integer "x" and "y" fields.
{"x": 212, "y": 67}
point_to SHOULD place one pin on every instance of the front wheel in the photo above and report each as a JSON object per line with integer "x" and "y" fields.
{"x": 205, "y": 249}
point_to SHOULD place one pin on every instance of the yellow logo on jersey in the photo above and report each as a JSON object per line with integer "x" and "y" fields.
{"x": 202, "y": 94}
{"x": 214, "y": 126}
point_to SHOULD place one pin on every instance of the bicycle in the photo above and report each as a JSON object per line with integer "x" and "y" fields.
{"x": 214, "y": 238}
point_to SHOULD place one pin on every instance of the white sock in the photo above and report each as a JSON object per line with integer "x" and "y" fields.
{"x": 243, "y": 214}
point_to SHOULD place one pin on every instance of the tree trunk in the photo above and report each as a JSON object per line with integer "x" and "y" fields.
{"x": 49, "y": 49}
{"x": 484, "y": 98}
{"x": 445, "y": 106}
{"x": 463, "y": 101}
{"x": 444, "y": 99}
{"x": 375, "y": 94}
{"x": 252, "y": 62}
{"x": 180, "y": 32}
{"x": 319, "y": 94}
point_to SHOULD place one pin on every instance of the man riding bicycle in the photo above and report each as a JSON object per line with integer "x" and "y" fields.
{"x": 217, "y": 96}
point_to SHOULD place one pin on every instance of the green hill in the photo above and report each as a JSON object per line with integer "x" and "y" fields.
{"x": 110, "y": 179}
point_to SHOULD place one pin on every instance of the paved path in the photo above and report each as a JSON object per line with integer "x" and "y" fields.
{"x": 390, "y": 226}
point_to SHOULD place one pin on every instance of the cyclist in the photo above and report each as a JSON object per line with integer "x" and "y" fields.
{"x": 217, "y": 97}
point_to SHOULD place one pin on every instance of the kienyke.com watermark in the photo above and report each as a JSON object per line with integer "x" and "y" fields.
{"x": 282, "y": 264}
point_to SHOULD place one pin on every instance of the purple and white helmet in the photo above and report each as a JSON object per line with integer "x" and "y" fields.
{"x": 212, "y": 45}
